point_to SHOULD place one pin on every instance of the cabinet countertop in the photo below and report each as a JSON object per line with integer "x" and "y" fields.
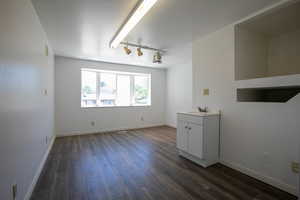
{"x": 200, "y": 114}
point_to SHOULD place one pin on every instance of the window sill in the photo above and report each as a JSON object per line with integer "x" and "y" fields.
{"x": 115, "y": 106}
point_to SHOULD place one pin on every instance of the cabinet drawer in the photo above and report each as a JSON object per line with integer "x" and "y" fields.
{"x": 190, "y": 118}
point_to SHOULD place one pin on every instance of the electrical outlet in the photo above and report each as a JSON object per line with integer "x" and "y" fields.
{"x": 93, "y": 123}
{"x": 266, "y": 160}
{"x": 206, "y": 92}
{"x": 266, "y": 156}
{"x": 14, "y": 190}
{"x": 142, "y": 118}
{"x": 45, "y": 92}
{"x": 295, "y": 167}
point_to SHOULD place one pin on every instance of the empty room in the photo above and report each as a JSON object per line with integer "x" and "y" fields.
{"x": 149, "y": 99}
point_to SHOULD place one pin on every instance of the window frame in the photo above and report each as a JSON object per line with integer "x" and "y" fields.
{"x": 131, "y": 75}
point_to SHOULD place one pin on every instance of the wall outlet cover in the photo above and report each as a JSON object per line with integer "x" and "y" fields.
{"x": 14, "y": 190}
{"x": 295, "y": 167}
{"x": 46, "y": 50}
{"x": 45, "y": 92}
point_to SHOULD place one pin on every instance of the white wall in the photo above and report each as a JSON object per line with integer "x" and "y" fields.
{"x": 260, "y": 139}
{"x": 72, "y": 119}
{"x": 26, "y": 115}
{"x": 283, "y": 54}
{"x": 179, "y": 85}
{"x": 251, "y": 50}
{"x": 258, "y": 55}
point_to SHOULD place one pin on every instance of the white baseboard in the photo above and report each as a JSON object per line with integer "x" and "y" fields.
{"x": 105, "y": 130}
{"x": 171, "y": 126}
{"x": 267, "y": 179}
{"x": 39, "y": 170}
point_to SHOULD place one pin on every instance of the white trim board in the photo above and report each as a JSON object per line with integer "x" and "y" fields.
{"x": 75, "y": 133}
{"x": 171, "y": 126}
{"x": 266, "y": 179}
{"x": 39, "y": 170}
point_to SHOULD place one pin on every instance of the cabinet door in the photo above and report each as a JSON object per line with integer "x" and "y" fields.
{"x": 195, "y": 140}
{"x": 182, "y": 137}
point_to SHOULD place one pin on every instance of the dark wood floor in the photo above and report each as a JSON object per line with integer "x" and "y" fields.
{"x": 140, "y": 164}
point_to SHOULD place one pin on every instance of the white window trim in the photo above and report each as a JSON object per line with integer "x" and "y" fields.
{"x": 118, "y": 73}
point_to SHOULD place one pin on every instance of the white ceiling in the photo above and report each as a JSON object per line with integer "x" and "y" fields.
{"x": 84, "y": 28}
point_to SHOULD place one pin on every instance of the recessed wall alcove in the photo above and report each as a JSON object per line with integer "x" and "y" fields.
{"x": 270, "y": 94}
{"x": 269, "y": 44}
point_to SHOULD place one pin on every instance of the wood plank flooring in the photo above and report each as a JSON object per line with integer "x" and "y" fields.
{"x": 139, "y": 165}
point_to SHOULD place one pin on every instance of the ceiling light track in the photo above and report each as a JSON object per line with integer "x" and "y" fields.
{"x": 157, "y": 57}
{"x": 143, "y": 47}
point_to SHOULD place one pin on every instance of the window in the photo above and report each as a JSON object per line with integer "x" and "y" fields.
{"x": 141, "y": 90}
{"x": 107, "y": 94}
{"x": 123, "y": 86}
{"x": 101, "y": 88}
{"x": 88, "y": 88}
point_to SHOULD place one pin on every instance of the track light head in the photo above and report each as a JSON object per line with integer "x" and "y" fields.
{"x": 157, "y": 58}
{"x": 139, "y": 52}
{"x": 127, "y": 50}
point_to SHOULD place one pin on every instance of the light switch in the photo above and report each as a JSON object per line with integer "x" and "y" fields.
{"x": 206, "y": 92}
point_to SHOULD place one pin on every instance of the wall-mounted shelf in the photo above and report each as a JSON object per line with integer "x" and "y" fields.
{"x": 269, "y": 94}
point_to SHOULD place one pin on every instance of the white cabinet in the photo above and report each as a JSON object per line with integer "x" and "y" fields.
{"x": 195, "y": 140}
{"x": 182, "y": 139}
{"x": 198, "y": 137}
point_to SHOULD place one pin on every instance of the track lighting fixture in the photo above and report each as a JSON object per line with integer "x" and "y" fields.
{"x": 157, "y": 58}
{"x": 139, "y": 51}
{"x": 127, "y": 50}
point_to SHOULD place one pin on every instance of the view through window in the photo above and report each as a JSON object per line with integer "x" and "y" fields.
{"x": 101, "y": 88}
